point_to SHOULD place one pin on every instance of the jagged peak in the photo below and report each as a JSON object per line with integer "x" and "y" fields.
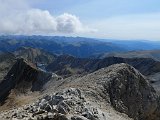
{"x": 26, "y": 63}
{"x": 23, "y": 76}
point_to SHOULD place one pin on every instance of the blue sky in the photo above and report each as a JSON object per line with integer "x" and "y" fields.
{"x": 99, "y": 9}
{"x": 118, "y": 19}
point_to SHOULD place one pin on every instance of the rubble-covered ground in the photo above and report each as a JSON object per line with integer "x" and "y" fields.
{"x": 70, "y": 104}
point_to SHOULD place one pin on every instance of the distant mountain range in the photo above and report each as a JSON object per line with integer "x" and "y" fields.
{"x": 75, "y": 46}
{"x": 154, "y": 54}
{"x": 79, "y": 47}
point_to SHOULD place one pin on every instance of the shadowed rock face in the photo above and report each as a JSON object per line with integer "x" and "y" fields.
{"x": 131, "y": 93}
{"x": 23, "y": 76}
{"x": 7, "y": 60}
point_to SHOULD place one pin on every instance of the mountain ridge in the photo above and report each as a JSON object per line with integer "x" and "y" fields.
{"x": 94, "y": 88}
{"x": 76, "y": 46}
{"x": 154, "y": 54}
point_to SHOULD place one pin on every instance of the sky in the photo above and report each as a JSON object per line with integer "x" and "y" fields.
{"x": 107, "y": 19}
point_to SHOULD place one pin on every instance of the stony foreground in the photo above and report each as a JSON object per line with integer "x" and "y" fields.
{"x": 67, "y": 105}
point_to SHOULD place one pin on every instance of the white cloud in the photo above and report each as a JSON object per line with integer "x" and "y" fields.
{"x": 18, "y": 18}
{"x": 68, "y": 23}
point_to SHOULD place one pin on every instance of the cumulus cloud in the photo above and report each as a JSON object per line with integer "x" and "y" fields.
{"x": 19, "y": 18}
{"x": 68, "y": 23}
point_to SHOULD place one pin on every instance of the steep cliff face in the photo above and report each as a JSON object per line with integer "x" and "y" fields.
{"x": 23, "y": 77}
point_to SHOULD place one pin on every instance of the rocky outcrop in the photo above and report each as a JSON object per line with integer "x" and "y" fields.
{"x": 23, "y": 77}
{"x": 131, "y": 93}
{"x": 126, "y": 89}
{"x": 69, "y": 104}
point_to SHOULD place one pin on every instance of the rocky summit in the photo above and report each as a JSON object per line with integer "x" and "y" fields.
{"x": 115, "y": 92}
{"x": 122, "y": 86}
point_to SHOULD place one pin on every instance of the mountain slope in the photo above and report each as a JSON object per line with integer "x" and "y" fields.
{"x": 66, "y": 65}
{"x": 34, "y": 55}
{"x": 70, "y": 65}
{"x": 22, "y": 79}
{"x": 154, "y": 54}
{"x": 6, "y": 62}
{"x": 92, "y": 97}
{"x": 122, "y": 86}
